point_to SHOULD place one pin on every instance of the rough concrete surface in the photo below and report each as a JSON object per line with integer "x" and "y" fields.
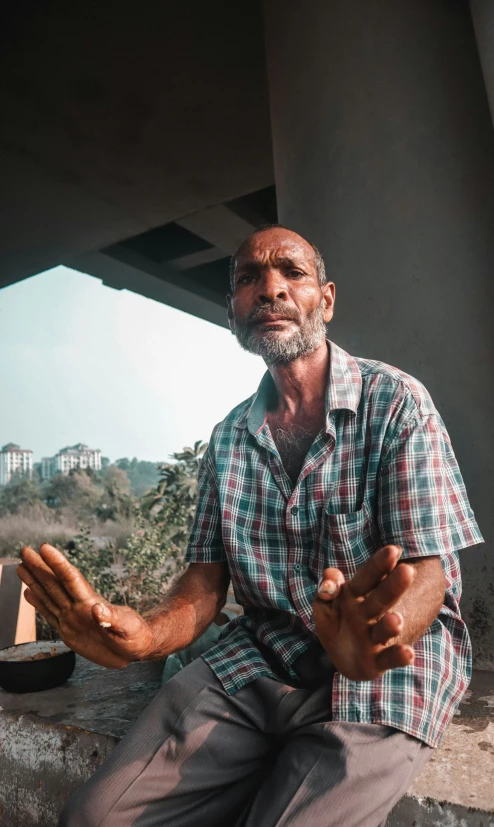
{"x": 50, "y": 742}
{"x": 456, "y": 787}
{"x": 462, "y": 770}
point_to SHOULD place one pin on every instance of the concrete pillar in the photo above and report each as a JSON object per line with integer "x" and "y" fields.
{"x": 384, "y": 157}
{"x": 483, "y": 21}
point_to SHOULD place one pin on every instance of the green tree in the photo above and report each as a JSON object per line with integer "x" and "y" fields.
{"x": 141, "y": 571}
{"x": 116, "y": 500}
{"x": 20, "y": 475}
{"x": 148, "y": 563}
{"x": 137, "y": 575}
{"x": 19, "y": 496}
{"x": 141, "y": 473}
{"x": 78, "y": 494}
{"x": 172, "y": 502}
{"x": 96, "y": 561}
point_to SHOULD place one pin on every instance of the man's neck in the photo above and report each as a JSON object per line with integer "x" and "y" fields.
{"x": 301, "y": 384}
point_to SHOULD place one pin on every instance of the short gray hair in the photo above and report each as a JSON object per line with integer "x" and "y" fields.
{"x": 319, "y": 261}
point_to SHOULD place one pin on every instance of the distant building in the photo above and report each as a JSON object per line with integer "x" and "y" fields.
{"x": 76, "y": 456}
{"x": 15, "y": 460}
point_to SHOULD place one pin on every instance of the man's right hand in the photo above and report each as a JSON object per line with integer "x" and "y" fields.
{"x": 111, "y": 636}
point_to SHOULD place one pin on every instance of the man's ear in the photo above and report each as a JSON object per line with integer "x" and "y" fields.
{"x": 329, "y": 297}
{"x": 231, "y": 320}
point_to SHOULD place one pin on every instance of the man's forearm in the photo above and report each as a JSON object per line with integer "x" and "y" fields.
{"x": 421, "y": 604}
{"x": 188, "y": 609}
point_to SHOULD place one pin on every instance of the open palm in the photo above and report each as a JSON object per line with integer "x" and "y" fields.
{"x": 112, "y": 636}
{"x": 355, "y": 621}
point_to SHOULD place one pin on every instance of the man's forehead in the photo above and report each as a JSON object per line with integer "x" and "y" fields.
{"x": 275, "y": 244}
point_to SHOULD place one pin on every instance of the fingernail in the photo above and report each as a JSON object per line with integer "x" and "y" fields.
{"x": 103, "y": 610}
{"x": 327, "y": 587}
{"x": 398, "y": 615}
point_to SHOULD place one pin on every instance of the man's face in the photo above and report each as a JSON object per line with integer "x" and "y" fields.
{"x": 278, "y": 309}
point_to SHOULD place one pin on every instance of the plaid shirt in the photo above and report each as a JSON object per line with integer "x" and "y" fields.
{"x": 382, "y": 471}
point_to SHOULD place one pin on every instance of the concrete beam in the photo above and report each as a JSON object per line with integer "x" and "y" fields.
{"x": 218, "y": 225}
{"x": 121, "y": 267}
{"x": 196, "y": 259}
{"x": 69, "y": 218}
{"x": 115, "y": 124}
{"x": 155, "y": 281}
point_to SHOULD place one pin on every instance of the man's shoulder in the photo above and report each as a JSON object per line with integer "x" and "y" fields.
{"x": 236, "y": 418}
{"x": 379, "y": 378}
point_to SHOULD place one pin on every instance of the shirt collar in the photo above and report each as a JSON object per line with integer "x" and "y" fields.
{"x": 343, "y": 391}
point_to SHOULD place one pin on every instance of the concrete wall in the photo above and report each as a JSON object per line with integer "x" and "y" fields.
{"x": 483, "y": 21}
{"x": 384, "y": 157}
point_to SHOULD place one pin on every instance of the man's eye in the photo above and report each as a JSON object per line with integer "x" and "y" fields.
{"x": 245, "y": 279}
{"x": 295, "y": 273}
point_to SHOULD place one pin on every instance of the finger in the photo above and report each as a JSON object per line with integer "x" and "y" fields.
{"x": 388, "y": 592}
{"x": 387, "y": 628}
{"x": 73, "y": 581}
{"x": 34, "y": 601}
{"x": 330, "y": 584}
{"x": 45, "y": 577}
{"x": 395, "y": 657}
{"x": 373, "y": 570}
{"x": 326, "y": 620}
{"x": 41, "y": 594}
{"x": 109, "y": 620}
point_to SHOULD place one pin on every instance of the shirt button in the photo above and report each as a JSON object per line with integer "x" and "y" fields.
{"x": 297, "y": 567}
{"x": 294, "y": 510}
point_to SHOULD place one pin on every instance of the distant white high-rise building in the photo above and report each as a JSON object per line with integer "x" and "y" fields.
{"x": 75, "y": 456}
{"x": 15, "y": 460}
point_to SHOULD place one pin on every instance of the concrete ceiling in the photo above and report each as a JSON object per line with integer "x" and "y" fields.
{"x": 121, "y": 118}
{"x": 184, "y": 263}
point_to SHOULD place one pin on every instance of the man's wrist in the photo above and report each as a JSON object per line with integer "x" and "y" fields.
{"x": 157, "y": 645}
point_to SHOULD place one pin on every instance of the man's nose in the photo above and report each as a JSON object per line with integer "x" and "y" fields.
{"x": 271, "y": 287}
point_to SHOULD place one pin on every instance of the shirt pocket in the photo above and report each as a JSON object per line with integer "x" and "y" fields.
{"x": 345, "y": 542}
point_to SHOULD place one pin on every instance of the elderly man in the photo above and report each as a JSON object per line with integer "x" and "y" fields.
{"x": 333, "y": 502}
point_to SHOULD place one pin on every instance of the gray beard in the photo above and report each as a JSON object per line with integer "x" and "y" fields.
{"x": 276, "y": 349}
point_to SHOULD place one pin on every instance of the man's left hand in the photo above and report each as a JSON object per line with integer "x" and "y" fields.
{"x": 355, "y": 621}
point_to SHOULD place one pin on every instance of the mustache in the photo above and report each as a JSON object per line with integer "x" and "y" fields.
{"x": 277, "y": 308}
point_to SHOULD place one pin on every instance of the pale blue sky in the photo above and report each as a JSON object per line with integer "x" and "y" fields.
{"x": 84, "y": 363}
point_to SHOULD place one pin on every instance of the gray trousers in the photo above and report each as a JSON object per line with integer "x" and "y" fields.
{"x": 268, "y": 755}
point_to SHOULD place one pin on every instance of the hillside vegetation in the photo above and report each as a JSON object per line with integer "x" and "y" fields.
{"x": 129, "y": 545}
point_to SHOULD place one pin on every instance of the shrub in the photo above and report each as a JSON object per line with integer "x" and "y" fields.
{"x": 136, "y": 575}
{"x": 139, "y": 571}
{"x": 31, "y": 528}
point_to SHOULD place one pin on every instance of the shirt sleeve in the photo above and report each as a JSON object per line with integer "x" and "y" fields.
{"x": 205, "y": 542}
{"x": 422, "y": 501}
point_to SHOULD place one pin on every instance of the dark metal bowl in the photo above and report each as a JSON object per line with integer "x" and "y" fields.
{"x": 23, "y": 669}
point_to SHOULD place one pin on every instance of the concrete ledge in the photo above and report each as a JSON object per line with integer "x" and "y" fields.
{"x": 50, "y": 742}
{"x": 456, "y": 787}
